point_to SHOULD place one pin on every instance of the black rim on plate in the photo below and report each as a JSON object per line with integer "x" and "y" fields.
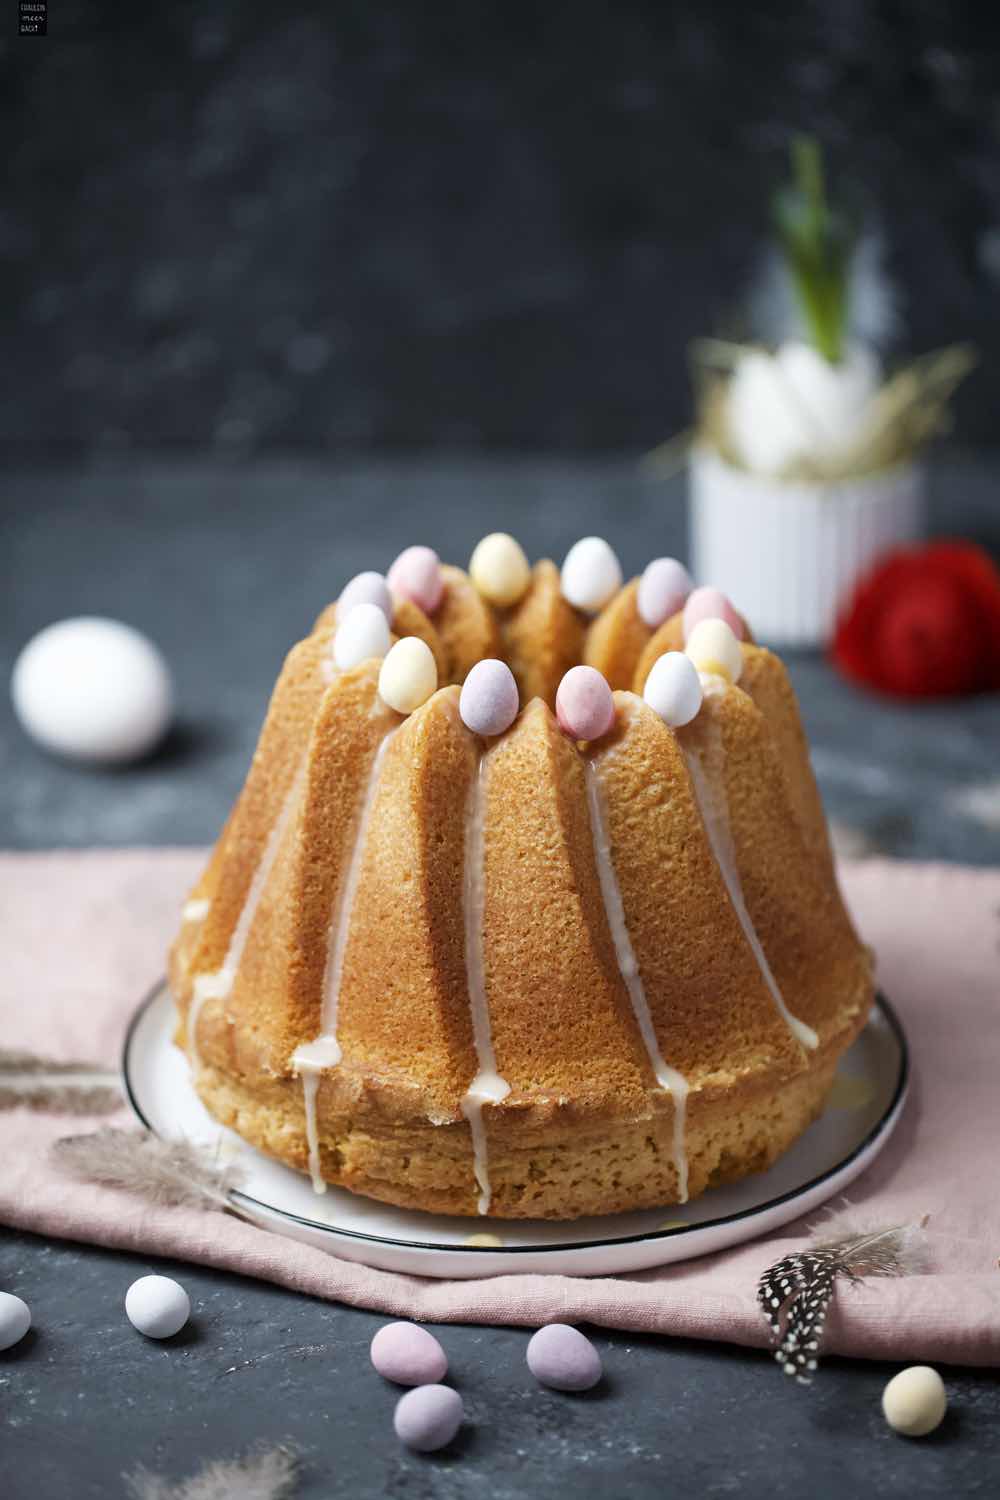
{"x": 881, "y": 1004}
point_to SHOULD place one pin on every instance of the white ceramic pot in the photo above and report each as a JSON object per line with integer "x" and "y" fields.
{"x": 789, "y": 552}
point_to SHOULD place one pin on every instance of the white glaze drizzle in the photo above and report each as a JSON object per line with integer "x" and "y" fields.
{"x": 668, "y": 1078}
{"x": 710, "y": 793}
{"x": 217, "y": 985}
{"x": 195, "y": 910}
{"x": 487, "y": 1087}
{"x": 314, "y": 1058}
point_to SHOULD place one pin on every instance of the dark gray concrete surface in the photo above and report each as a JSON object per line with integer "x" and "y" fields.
{"x": 224, "y": 566}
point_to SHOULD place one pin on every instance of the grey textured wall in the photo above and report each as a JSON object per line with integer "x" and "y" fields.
{"x": 350, "y": 225}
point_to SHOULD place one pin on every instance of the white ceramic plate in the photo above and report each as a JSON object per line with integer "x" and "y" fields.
{"x": 865, "y": 1105}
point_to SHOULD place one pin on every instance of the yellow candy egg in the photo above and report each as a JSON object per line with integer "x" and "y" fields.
{"x": 499, "y": 569}
{"x": 914, "y": 1401}
{"x": 408, "y": 675}
{"x": 715, "y": 651}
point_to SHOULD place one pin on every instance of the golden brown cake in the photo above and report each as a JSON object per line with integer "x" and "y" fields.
{"x": 523, "y": 973}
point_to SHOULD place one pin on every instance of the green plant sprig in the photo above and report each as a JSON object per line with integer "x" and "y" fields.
{"x": 818, "y": 240}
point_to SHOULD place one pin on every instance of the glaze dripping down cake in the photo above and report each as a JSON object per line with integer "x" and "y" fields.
{"x": 558, "y": 936}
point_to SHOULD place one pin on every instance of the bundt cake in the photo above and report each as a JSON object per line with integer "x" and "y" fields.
{"x": 561, "y": 936}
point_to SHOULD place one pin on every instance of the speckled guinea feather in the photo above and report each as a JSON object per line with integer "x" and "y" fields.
{"x": 795, "y": 1293}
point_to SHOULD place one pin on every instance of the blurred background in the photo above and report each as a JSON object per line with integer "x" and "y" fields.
{"x": 247, "y": 226}
{"x": 286, "y": 288}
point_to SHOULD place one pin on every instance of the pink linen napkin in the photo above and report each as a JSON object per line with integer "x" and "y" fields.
{"x": 84, "y": 936}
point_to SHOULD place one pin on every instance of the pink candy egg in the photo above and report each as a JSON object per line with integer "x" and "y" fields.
{"x": 663, "y": 589}
{"x": 584, "y": 705}
{"x": 489, "y": 702}
{"x": 408, "y": 1354}
{"x": 711, "y": 604}
{"x": 416, "y": 575}
{"x": 365, "y": 588}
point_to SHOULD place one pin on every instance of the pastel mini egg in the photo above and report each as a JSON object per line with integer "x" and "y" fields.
{"x": 408, "y": 1354}
{"x": 915, "y": 1401}
{"x": 363, "y": 634}
{"x": 15, "y": 1320}
{"x": 157, "y": 1306}
{"x": 428, "y": 1417}
{"x": 416, "y": 574}
{"x": 408, "y": 676}
{"x": 489, "y": 700}
{"x": 711, "y": 604}
{"x": 365, "y": 588}
{"x": 663, "y": 590}
{"x": 92, "y": 689}
{"x": 673, "y": 689}
{"x": 499, "y": 569}
{"x": 585, "y": 706}
{"x": 714, "y": 649}
{"x": 591, "y": 574}
{"x": 561, "y": 1357}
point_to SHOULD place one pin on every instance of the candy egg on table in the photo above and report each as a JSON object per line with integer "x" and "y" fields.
{"x": 560, "y": 1356}
{"x": 15, "y": 1320}
{"x": 591, "y": 574}
{"x": 416, "y": 575}
{"x": 361, "y": 635}
{"x": 585, "y": 706}
{"x": 489, "y": 701}
{"x": 673, "y": 689}
{"x": 663, "y": 590}
{"x": 92, "y": 689}
{"x": 499, "y": 569}
{"x": 365, "y": 588}
{"x": 711, "y": 604}
{"x": 408, "y": 1354}
{"x": 408, "y": 676}
{"x": 428, "y": 1417}
{"x": 714, "y": 649}
{"x": 915, "y": 1401}
{"x": 157, "y": 1306}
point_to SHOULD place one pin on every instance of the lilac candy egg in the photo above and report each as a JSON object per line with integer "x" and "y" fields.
{"x": 365, "y": 588}
{"x": 416, "y": 575}
{"x": 489, "y": 702}
{"x": 663, "y": 590}
{"x": 585, "y": 707}
{"x": 560, "y": 1356}
{"x": 429, "y": 1417}
{"x": 408, "y": 1354}
{"x": 711, "y": 604}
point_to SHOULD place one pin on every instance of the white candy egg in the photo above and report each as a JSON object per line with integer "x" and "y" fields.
{"x": 157, "y": 1306}
{"x": 591, "y": 574}
{"x": 714, "y": 649}
{"x": 673, "y": 689}
{"x": 93, "y": 690}
{"x": 499, "y": 569}
{"x": 365, "y": 588}
{"x": 408, "y": 676}
{"x": 915, "y": 1401}
{"x": 362, "y": 634}
{"x": 15, "y": 1320}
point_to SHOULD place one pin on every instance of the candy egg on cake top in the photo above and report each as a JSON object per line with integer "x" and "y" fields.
{"x": 499, "y": 569}
{"x": 585, "y": 706}
{"x": 363, "y": 634}
{"x": 416, "y": 575}
{"x": 591, "y": 574}
{"x": 489, "y": 700}
{"x": 365, "y": 588}
{"x": 715, "y": 651}
{"x": 663, "y": 590}
{"x": 408, "y": 676}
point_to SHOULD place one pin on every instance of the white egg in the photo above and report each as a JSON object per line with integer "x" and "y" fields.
{"x": 363, "y": 634}
{"x": 795, "y": 406}
{"x": 591, "y": 574}
{"x": 15, "y": 1320}
{"x": 915, "y": 1401}
{"x": 673, "y": 689}
{"x": 93, "y": 690}
{"x": 157, "y": 1306}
